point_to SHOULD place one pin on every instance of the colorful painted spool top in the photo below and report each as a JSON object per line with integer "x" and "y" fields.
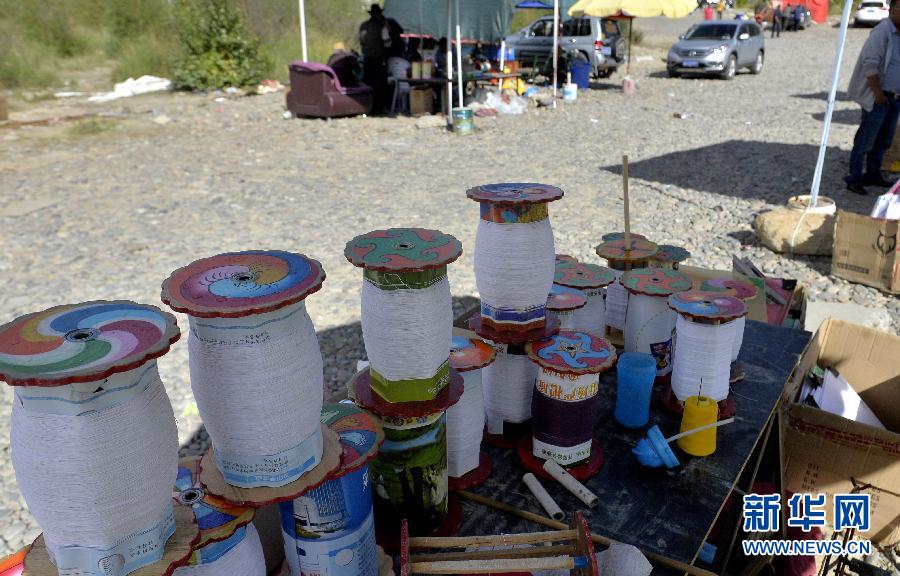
{"x": 741, "y": 289}
{"x": 670, "y": 254}
{"x": 401, "y": 250}
{"x": 515, "y": 193}
{"x": 565, "y": 258}
{"x": 83, "y": 342}
{"x": 707, "y": 306}
{"x": 661, "y": 282}
{"x": 470, "y": 353}
{"x": 581, "y": 275}
{"x": 564, "y": 299}
{"x": 619, "y": 235}
{"x": 238, "y": 284}
{"x": 360, "y": 433}
{"x": 217, "y": 518}
{"x": 572, "y": 352}
{"x": 634, "y": 251}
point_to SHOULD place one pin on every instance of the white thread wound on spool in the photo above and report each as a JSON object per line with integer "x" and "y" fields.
{"x": 648, "y": 322}
{"x": 123, "y": 461}
{"x": 258, "y": 381}
{"x": 566, "y": 318}
{"x": 465, "y": 426}
{"x": 244, "y": 559}
{"x": 508, "y": 383}
{"x": 514, "y": 263}
{"x": 702, "y": 351}
{"x": 407, "y": 332}
{"x": 591, "y": 317}
{"x": 738, "y": 340}
{"x": 616, "y": 303}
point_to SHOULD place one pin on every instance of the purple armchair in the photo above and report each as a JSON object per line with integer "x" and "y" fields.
{"x": 317, "y": 92}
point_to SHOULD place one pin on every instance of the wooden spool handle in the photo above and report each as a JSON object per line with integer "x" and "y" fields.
{"x": 625, "y": 199}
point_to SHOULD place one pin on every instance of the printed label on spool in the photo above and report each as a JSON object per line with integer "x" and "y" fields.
{"x": 248, "y": 471}
{"x": 662, "y": 352}
{"x": 513, "y": 213}
{"x": 132, "y": 552}
{"x": 410, "y": 476}
{"x": 564, "y": 455}
{"x": 412, "y": 390}
{"x": 79, "y": 398}
{"x": 353, "y": 554}
{"x": 331, "y": 510}
{"x": 509, "y": 316}
{"x": 567, "y": 387}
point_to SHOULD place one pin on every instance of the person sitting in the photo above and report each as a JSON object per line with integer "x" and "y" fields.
{"x": 398, "y": 68}
{"x": 412, "y": 50}
{"x": 345, "y": 64}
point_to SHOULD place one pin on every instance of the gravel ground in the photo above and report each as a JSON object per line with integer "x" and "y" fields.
{"x": 170, "y": 178}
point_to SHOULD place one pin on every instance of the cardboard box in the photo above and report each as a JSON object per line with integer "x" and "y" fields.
{"x": 865, "y": 251}
{"x": 825, "y": 453}
{"x": 421, "y": 101}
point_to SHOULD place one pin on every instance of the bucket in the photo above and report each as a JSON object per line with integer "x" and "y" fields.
{"x": 570, "y": 92}
{"x": 581, "y": 73}
{"x": 823, "y": 205}
{"x": 463, "y": 120}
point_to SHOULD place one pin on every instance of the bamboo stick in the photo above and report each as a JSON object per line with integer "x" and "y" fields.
{"x": 530, "y": 552}
{"x": 493, "y": 540}
{"x": 492, "y": 566}
{"x": 597, "y": 538}
{"x": 625, "y": 198}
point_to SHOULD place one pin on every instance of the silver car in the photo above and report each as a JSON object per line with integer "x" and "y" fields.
{"x": 719, "y": 48}
{"x": 596, "y": 40}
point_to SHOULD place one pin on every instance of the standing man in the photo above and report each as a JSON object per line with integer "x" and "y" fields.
{"x": 875, "y": 85}
{"x": 720, "y": 9}
{"x": 777, "y": 15}
{"x": 373, "y": 34}
{"x": 786, "y": 17}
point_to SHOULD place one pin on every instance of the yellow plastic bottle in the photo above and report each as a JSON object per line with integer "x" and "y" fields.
{"x": 699, "y": 411}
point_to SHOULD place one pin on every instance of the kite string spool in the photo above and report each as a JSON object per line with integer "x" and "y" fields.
{"x": 563, "y": 416}
{"x": 124, "y": 458}
{"x": 514, "y": 264}
{"x": 592, "y": 316}
{"x": 465, "y": 426}
{"x": 407, "y": 331}
{"x": 702, "y": 352}
{"x": 616, "y": 302}
{"x": 649, "y": 323}
{"x": 258, "y": 383}
{"x": 738, "y": 340}
{"x": 244, "y": 559}
{"x": 507, "y": 385}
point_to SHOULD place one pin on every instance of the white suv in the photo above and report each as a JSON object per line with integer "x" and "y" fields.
{"x": 871, "y": 12}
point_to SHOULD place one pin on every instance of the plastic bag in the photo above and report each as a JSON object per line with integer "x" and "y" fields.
{"x": 506, "y": 104}
{"x": 887, "y": 205}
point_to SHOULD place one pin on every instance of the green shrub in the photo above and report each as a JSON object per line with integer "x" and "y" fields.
{"x": 219, "y": 50}
{"x": 24, "y": 63}
{"x": 147, "y": 54}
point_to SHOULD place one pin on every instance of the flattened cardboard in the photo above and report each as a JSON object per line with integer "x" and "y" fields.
{"x": 865, "y": 251}
{"x": 823, "y": 451}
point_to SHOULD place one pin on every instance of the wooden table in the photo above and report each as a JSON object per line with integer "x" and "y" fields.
{"x": 668, "y": 512}
{"x": 481, "y": 77}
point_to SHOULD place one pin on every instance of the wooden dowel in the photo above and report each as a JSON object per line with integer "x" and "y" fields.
{"x": 530, "y": 552}
{"x": 492, "y": 566}
{"x": 493, "y": 540}
{"x": 602, "y": 540}
{"x": 625, "y": 198}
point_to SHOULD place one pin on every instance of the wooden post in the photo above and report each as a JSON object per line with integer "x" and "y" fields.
{"x": 625, "y": 198}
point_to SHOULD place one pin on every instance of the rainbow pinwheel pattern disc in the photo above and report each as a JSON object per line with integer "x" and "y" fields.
{"x": 217, "y": 518}
{"x": 238, "y": 284}
{"x": 670, "y": 253}
{"x": 655, "y": 281}
{"x": 563, "y": 298}
{"x": 83, "y": 342}
{"x": 360, "y": 434}
{"x": 635, "y": 250}
{"x": 741, "y": 289}
{"x": 572, "y": 352}
{"x": 470, "y": 353}
{"x": 707, "y": 305}
{"x": 582, "y": 275}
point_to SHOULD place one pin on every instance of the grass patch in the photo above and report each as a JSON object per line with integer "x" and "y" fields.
{"x": 90, "y": 127}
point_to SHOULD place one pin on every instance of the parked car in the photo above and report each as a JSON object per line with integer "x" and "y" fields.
{"x": 871, "y": 12}
{"x": 720, "y": 48}
{"x": 597, "y": 40}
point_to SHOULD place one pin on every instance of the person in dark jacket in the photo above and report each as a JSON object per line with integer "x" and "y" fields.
{"x": 798, "y": 17}
{"x": 373, "y": 37}
{"x": 777, "y": 17}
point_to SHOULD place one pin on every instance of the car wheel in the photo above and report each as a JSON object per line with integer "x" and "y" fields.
{"x": 672, "y": 73}
{"x": 758, "y": 65}
{"x": 605, "y": 72}
{"x": 730, "y": 68}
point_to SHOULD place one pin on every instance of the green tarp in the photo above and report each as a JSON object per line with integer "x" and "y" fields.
{"x": 485, "y": 20}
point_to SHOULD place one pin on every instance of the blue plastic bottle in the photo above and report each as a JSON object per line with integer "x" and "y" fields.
{"x": 635, "y": 375}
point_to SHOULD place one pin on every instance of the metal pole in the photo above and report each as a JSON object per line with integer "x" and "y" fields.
{"x": 829, "y": 110}
{"x": 303, "y": 29}
{"x": 459, "y": 58}
{"x": 555, "y": 46}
